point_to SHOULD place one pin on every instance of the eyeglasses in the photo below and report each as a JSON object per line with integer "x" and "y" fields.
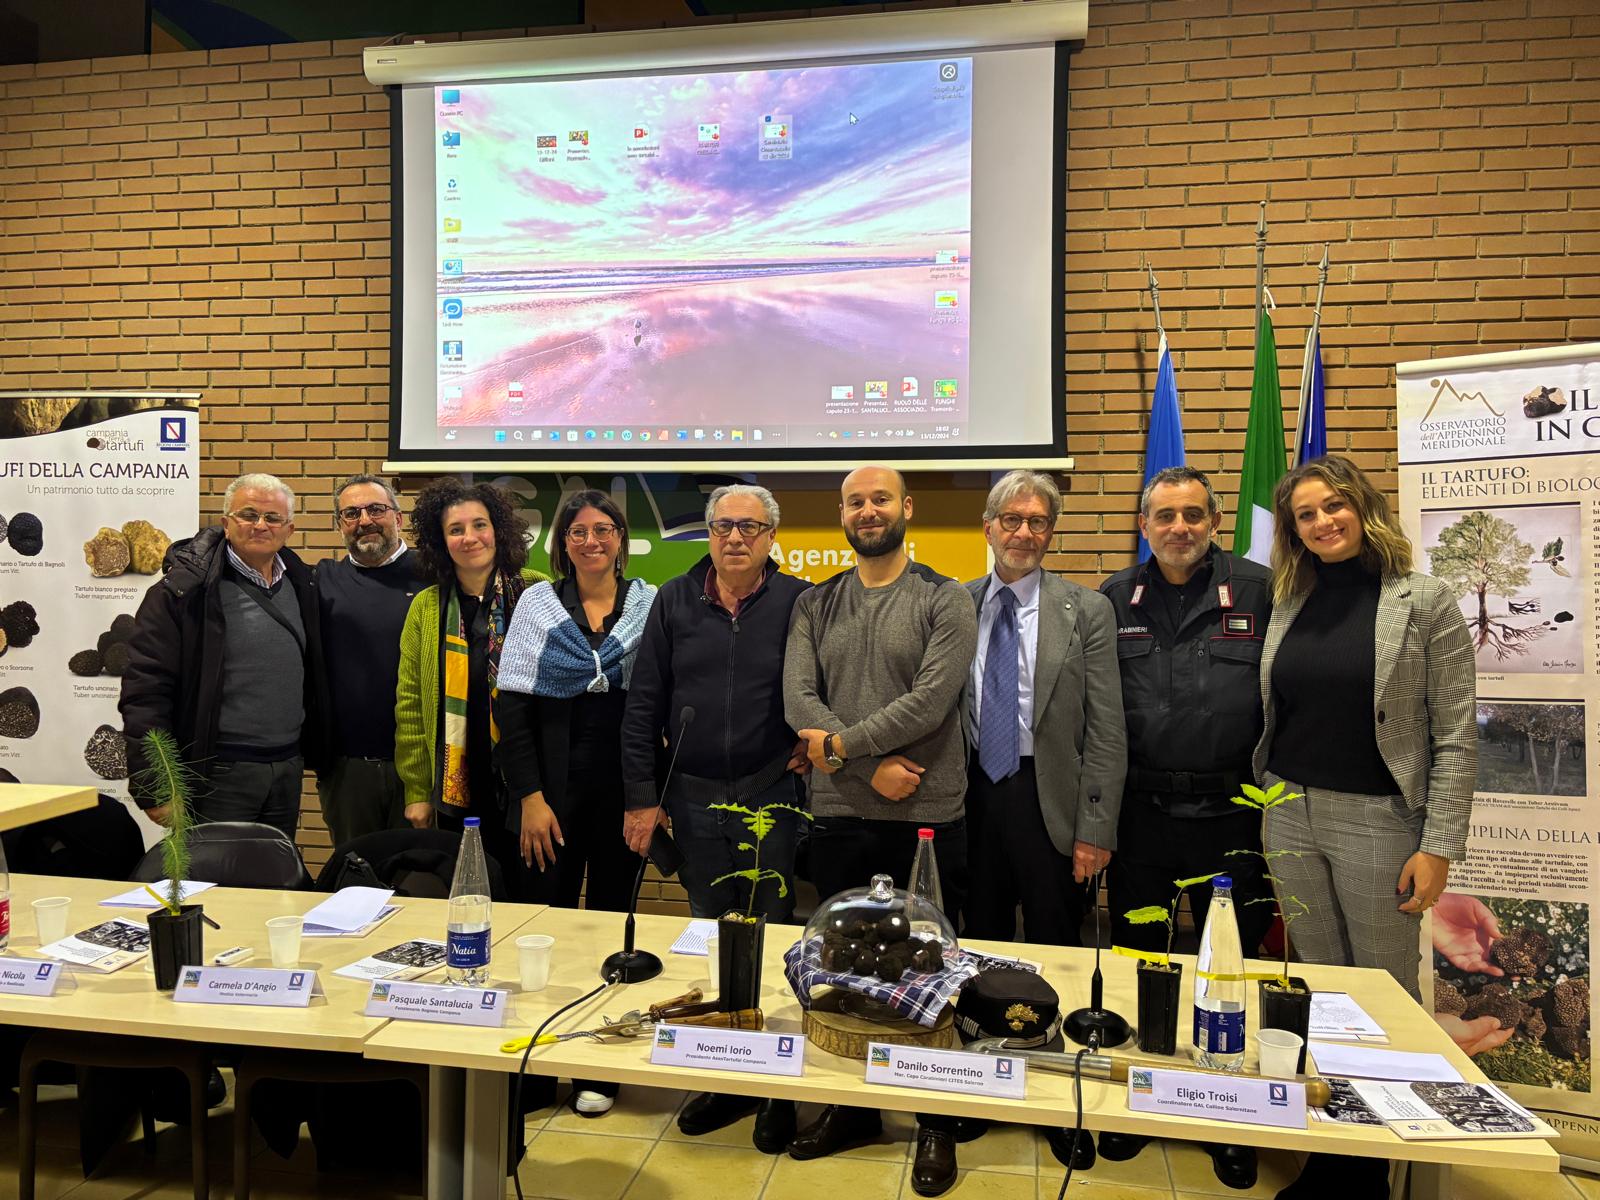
{"x": 579, "y": 534}
{"x": 1011, "y": 522}
{"x": 748, "y": 529}
{"x": 249, "y": 516}
{"x": 374, "y": 512}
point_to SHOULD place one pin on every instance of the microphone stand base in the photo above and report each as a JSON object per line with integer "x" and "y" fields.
{"x": 1082, "y": 1023}
{"x": 631, "y": 966}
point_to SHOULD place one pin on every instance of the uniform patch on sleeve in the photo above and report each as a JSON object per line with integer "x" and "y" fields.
{"x": 1239, "y": 624}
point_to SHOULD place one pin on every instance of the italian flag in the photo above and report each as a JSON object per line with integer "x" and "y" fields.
{"x": 1263, "y": 452}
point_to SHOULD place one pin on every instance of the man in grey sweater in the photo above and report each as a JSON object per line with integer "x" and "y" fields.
{"x": 872, "y": 680}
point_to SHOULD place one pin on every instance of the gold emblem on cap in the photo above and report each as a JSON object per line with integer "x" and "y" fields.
{"x": 1018, "y": 1015}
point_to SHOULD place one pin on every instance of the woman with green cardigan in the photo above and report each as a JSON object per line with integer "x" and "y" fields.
{"x": 472, "y": 545}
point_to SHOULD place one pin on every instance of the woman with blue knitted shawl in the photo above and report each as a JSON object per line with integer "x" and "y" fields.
{"x": 563, "y": 681}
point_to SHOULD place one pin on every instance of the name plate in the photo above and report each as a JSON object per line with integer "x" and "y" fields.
{"x": 274, "y": 987}
{"x": 1236, "y": 1098}
{"x": 728, "y": 1049}
{"x": 28, "y": 977}
{"x": 438, "y": 1002}
{"x": 947, "y": 1070}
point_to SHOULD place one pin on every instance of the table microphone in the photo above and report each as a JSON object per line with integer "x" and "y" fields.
{"x": 1096, "y": 1026}
{"x": 629, "y": 965}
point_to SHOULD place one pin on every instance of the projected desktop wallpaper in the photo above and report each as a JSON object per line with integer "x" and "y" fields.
{"x": 784, "y": 254}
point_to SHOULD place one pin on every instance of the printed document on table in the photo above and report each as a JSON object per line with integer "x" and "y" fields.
{"x": 1361, "y": 1062}
{"x": 408, "y": 960}
{"x": 348, "y": 909}
{"x": 140, "y": 898}
{"x": 1420, "y": 1111}
{"x": 106, "y": 947}
{"x": 321, "y": 931}
{"x": 693, "y": 938}
{"x": 1336, "y": 1017}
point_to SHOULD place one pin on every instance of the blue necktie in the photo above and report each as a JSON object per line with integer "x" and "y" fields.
{"x": 998, "y": 736}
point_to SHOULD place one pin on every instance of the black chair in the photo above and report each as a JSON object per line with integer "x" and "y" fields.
{"x": 102, "y": 842}
{"x": 415, "y": 862}
{"x": 238, "y": 854}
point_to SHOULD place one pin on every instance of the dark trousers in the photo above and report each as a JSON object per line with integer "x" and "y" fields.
{"x": 1154, "y": 848}
{"x": 361, "y": 796}
{"x": 1012, "y": 861}
{"x": 594, "y": 851}
{"x": 267, "y": 793}
{"x": 710, "y": 841}
{"x": 847, "y": 852}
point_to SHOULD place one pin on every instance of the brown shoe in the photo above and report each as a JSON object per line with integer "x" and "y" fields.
{"x": 935, "y": 1168}
{"x": 839, "y": 1127}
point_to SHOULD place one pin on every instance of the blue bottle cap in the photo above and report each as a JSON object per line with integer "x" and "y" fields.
{"x": 470, "y": 823}
{"x": 1220, "y": 881}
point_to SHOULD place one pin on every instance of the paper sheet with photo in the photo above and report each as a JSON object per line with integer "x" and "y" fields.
{"x": 408, "y": 960}
{"x": 1336, "y": 1017}
{"x": 1424, "y": 1111}
{"x": 108, "y": 946}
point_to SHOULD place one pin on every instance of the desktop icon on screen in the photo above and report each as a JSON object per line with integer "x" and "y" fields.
{"x": 453, "y": 308}
{"x": 948, "y": 72}
{"x": 738, "y": 435}
{"x": 499, "y": 435}
{"x": 843, "y": 391}
{"x": 452, "y": 266}
{"x": 641, "y": 133}
{"x": 452, "y": 224}
{"x": 774, "y": 128}
{"x": 699, "y": 435}
{"x": 451, "y": 138}
{"x": 555, "y": 435}
{"x": 945, "y": 299}
{"x": 545, "y": 141}
{"x": 909, "y": 387}
{"x": 944, "y": 389}
{"x": 644, "y": 435}
{"x": 450, "y": 96}
{"x": 945, "y": 258}
{"x": 452, "y": 351}
{"x": 577, "y": 137}
{"x": 627, "y": 435}
{"x": 877, "y": 389}
{"x": 710, "y": 131}
{"x": 514, "y": 391}
{"x": 572, "y": 435}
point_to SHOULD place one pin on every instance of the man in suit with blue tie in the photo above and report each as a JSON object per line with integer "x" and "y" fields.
{"x": 1045, "y": 720}
{"x": 1043, "y": 714}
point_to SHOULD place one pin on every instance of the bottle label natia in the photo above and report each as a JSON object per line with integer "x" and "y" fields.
{"x": 464, "y": 949}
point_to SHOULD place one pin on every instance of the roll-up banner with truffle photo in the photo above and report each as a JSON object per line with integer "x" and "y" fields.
{"x": 93, "y": 488}
{"x": 1500, "y": 492}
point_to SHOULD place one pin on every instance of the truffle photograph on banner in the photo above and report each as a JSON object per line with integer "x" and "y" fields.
{"x": 94, "y": 488}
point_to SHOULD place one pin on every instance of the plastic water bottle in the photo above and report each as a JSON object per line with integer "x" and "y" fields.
{"x": 5, "y": 901}
{"x": 1219, "y": 1003}
{"x": 466, "y": 955}
{"x": 924, "y": 884}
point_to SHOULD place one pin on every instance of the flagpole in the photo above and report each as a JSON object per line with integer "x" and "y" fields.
{"x": 1305, "y": 364}
{"x": 1261, "y": 261}
{"x": 1155, "y": 299}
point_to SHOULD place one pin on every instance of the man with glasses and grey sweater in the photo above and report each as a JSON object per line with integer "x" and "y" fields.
{"x": 872, "y": 680}
{"x": 226, "y": 656}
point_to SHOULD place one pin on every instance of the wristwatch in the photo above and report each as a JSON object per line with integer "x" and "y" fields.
{"x": 828, "y": 756}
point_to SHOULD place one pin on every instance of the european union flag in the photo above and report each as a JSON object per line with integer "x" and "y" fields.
{"x": 1163, "y": 446}
{"x": 1311, "y": 431}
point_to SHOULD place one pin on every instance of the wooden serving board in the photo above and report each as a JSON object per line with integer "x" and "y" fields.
{"x": 831, "y": 1025}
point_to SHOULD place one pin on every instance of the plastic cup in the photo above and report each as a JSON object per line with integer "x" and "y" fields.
{"x": 713, "y": 972}
{"x": 533, "y": 960}
{"x": 283, "y": 936}
{"x": 1279, "y": 1051}
{"x": 50, "y": 915}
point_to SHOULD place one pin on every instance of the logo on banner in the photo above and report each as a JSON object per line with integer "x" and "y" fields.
{"x": 1002, "y": 1068}
{"x": 1460, "y": 425}
{"x": 174, "y": 433}
{"x": 666, "y": 1038}
{"x": 880, "y": 1056}
{"x": 786, "y": 1047}
{"x": 1278, "y": 1094}
{"x": 191, "y": 978}
{"x": 380, "y": 991}
{"x": 1141, "y": 1080}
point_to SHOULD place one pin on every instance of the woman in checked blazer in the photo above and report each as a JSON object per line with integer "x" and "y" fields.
{"x": 1368, "y": 683}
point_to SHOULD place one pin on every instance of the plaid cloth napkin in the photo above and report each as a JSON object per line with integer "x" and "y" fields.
{"x": 918, "y": 997}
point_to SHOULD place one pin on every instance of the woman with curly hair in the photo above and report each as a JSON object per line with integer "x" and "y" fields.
{"x": 472, "y": 545}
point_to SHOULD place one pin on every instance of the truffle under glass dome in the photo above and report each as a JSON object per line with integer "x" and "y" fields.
{"x": 880, "y": 932}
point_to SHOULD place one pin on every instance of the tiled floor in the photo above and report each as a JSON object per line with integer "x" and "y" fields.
{"x": 635, "y": 1152}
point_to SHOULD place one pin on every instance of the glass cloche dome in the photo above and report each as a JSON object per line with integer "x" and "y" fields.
{"x": 880, "y": 932}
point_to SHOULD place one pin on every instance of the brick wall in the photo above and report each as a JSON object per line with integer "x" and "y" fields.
{"x": 220, "y": 222}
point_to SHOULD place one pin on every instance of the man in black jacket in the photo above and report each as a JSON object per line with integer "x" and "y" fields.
{"x": 1190, "y": 626}
{"x": 226, "y": 655}
{"x": 715, "y": 642}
